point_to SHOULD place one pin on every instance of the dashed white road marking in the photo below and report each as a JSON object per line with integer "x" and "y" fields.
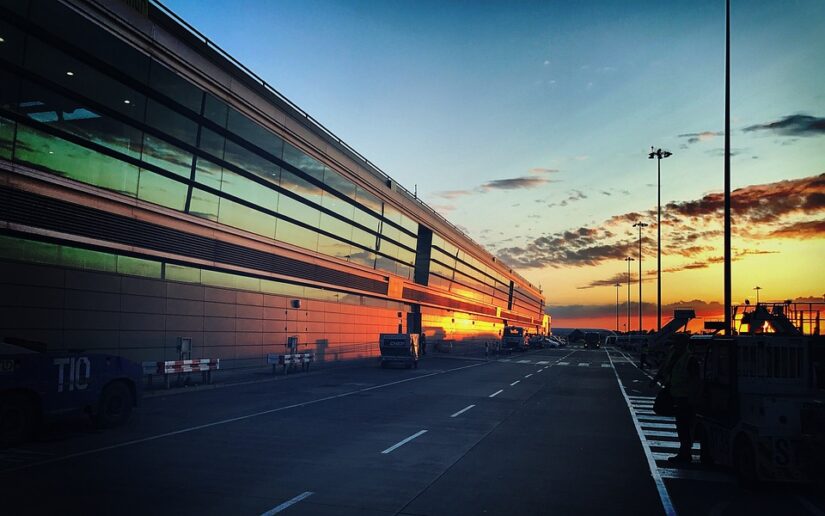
{"x": 512, "y": 384}
{"x": 564, "y": 363}
{"x": 605, "y": 365}
{"x": 404, "y": 441}
{"x": 288, "y": 503}
{"x": 542, "y": 362}
{"x": 493, "y": 395}
{"x": 523, "y": 362}
{"x": 584, "y": 364}
{"x": 528, "y": 375}
{"x": 659, "y": 433}
{"x": 673, "y": 445}
{"x": 642, "y": 419}
{"x": 465, "y": 409}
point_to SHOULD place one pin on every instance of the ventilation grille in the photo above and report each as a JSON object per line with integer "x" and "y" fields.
{"x": 55, "y": 215}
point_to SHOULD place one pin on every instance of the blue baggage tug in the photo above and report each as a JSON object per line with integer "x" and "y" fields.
{"x": 36, "y": 386}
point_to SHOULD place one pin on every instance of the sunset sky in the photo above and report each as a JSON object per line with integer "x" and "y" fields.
{"x": 528, "y": 125}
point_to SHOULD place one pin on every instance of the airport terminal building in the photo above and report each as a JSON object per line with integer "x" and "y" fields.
{"x": 152, "y": 188}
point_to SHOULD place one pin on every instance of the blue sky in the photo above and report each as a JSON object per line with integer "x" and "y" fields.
{"x": 566, "y": 97}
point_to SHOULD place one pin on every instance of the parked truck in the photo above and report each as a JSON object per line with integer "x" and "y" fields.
{"x": 762, "y": 411}
{"x": 36, "y": 386}
{"x": 399, "y": 348}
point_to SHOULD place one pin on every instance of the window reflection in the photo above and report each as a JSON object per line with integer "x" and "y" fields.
{"x": 296, "y": 235}
{"x": 74, "y": 161}
{"x": 204, "y": 204}
{"x": 162, "y": 190}
{"x": 166, "y": 156}
{"x": 175, "y": 87}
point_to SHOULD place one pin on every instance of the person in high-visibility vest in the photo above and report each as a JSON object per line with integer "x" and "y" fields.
{"x": 680, "y": 374}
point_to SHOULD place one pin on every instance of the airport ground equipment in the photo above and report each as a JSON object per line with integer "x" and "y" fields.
{"x": 36, "y": 386}
{"x": 513, "y": 338}
{"x": 762, "y": 410}
{"x": 399, "y": 348}
{"x": 290, "y": 361}
{"x": 205, "y": 366}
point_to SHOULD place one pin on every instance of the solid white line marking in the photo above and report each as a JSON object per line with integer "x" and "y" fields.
{"x": 564, "y": 363}
{"x": 674, "y": 445}
{"x": 404, "y": 441}
{"x": 693, "y": 474}
{"x": 646, "y": 412}
{"x": 288, "y": 503}
{"x": 465, "y": 409}
{"x": 512, "y": 384}
{"x": 528, "y": 375}
{"x": 642, "y": 419}
{"x": 230, "y": 420}
{"x": 493, "y": 395}
{"x": 664, "y": 496}
{"x": 642, "y": 397}
{"x": 584, "y": 364}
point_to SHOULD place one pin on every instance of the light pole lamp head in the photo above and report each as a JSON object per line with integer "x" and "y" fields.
{"x": 629, "y": 259}
{"x": 659, "y": 153}
{"x": 640, "y": 225}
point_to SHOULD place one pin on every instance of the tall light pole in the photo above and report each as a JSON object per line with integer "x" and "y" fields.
{"x": 728, "y": 321}
{"x": 628, "y": 260}
{"x": 617, "y": 305}
{"x": 659, "y": 154}
{"x": 757, "y": 289}
{"x": 640, "y": 225}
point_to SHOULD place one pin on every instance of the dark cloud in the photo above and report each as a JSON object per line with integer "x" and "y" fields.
{"x": 759, "y": 211}
{"x": 538, "y": 177}
{"x": 792, "y": 125}
{"x": 806, "y": 229}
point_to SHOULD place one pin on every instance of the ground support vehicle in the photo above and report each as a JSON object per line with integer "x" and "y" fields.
{"x": 399, "y": 348}
{"x": 513, "y": 338}
{"x": 761, "y": 411}
{"x": 37, "y": 386}
{"x": 592, "y": 340}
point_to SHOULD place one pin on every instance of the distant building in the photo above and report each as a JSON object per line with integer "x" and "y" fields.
{"x": 152, "y": 189}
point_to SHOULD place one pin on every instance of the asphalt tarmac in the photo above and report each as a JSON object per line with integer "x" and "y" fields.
{"x": 562, "y": 431}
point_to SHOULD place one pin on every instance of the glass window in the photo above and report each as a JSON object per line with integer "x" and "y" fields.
{"x": 74, "y": 161}
{"x": 65, "y": 22}
{"x": 204, "y": 204}
{"x": 333, "y": 247}
{"x": 366, "y": 219}
{"x": 409, "y": 224}
{"x": 86, "y": 259}
{"x": 73, "y": 117}
{"x": 254, "y": 133}
{"x": 405, "y": 271}
{"x": 6, "y": 137}
{"x": 181, "y": 273}
{"x": 248, "y": 219}
{"x": 171, "y": 122}
{"x": 308, "y": 165}
{"x": 296, "y": 235}
{"x": 212, "y": 142}
{"x": 162, "y": 190}
{"x": 215, "y": 110}
{"x": 339, "y": 183}
{"x": 175, "y": 87}
{"x": 299, "y": 211}
{"x": 367, "y": 199}
{"x": 62, "y": 69}
{"x": 362, "y": 257}
{"x": 336, "y": 226}
{"x": 208, "y": 173}
{"x": 338, "y": 205}
{"x": 283, "y": 289}
{"x": 166, "y": 156}
{"x": 251, "y": 162}
{"x": 365, "y": 239}
{"x": 248, "y": 190}
{"x": 301, "y": 186}
{"x": 138, "y": 267}
{"x": 12, "y": 47}
{"x": 392, "y": 214}
{"x": 386, "y": 264}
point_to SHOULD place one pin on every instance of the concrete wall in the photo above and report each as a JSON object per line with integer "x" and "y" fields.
{"x": 142, "y": 319}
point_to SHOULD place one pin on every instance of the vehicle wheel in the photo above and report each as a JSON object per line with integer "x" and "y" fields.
{"x": 18, "y": 416}
{"x": 114, "y": 406}
{"x": 744, "y": 462}
{"x": 705, "y": 456}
